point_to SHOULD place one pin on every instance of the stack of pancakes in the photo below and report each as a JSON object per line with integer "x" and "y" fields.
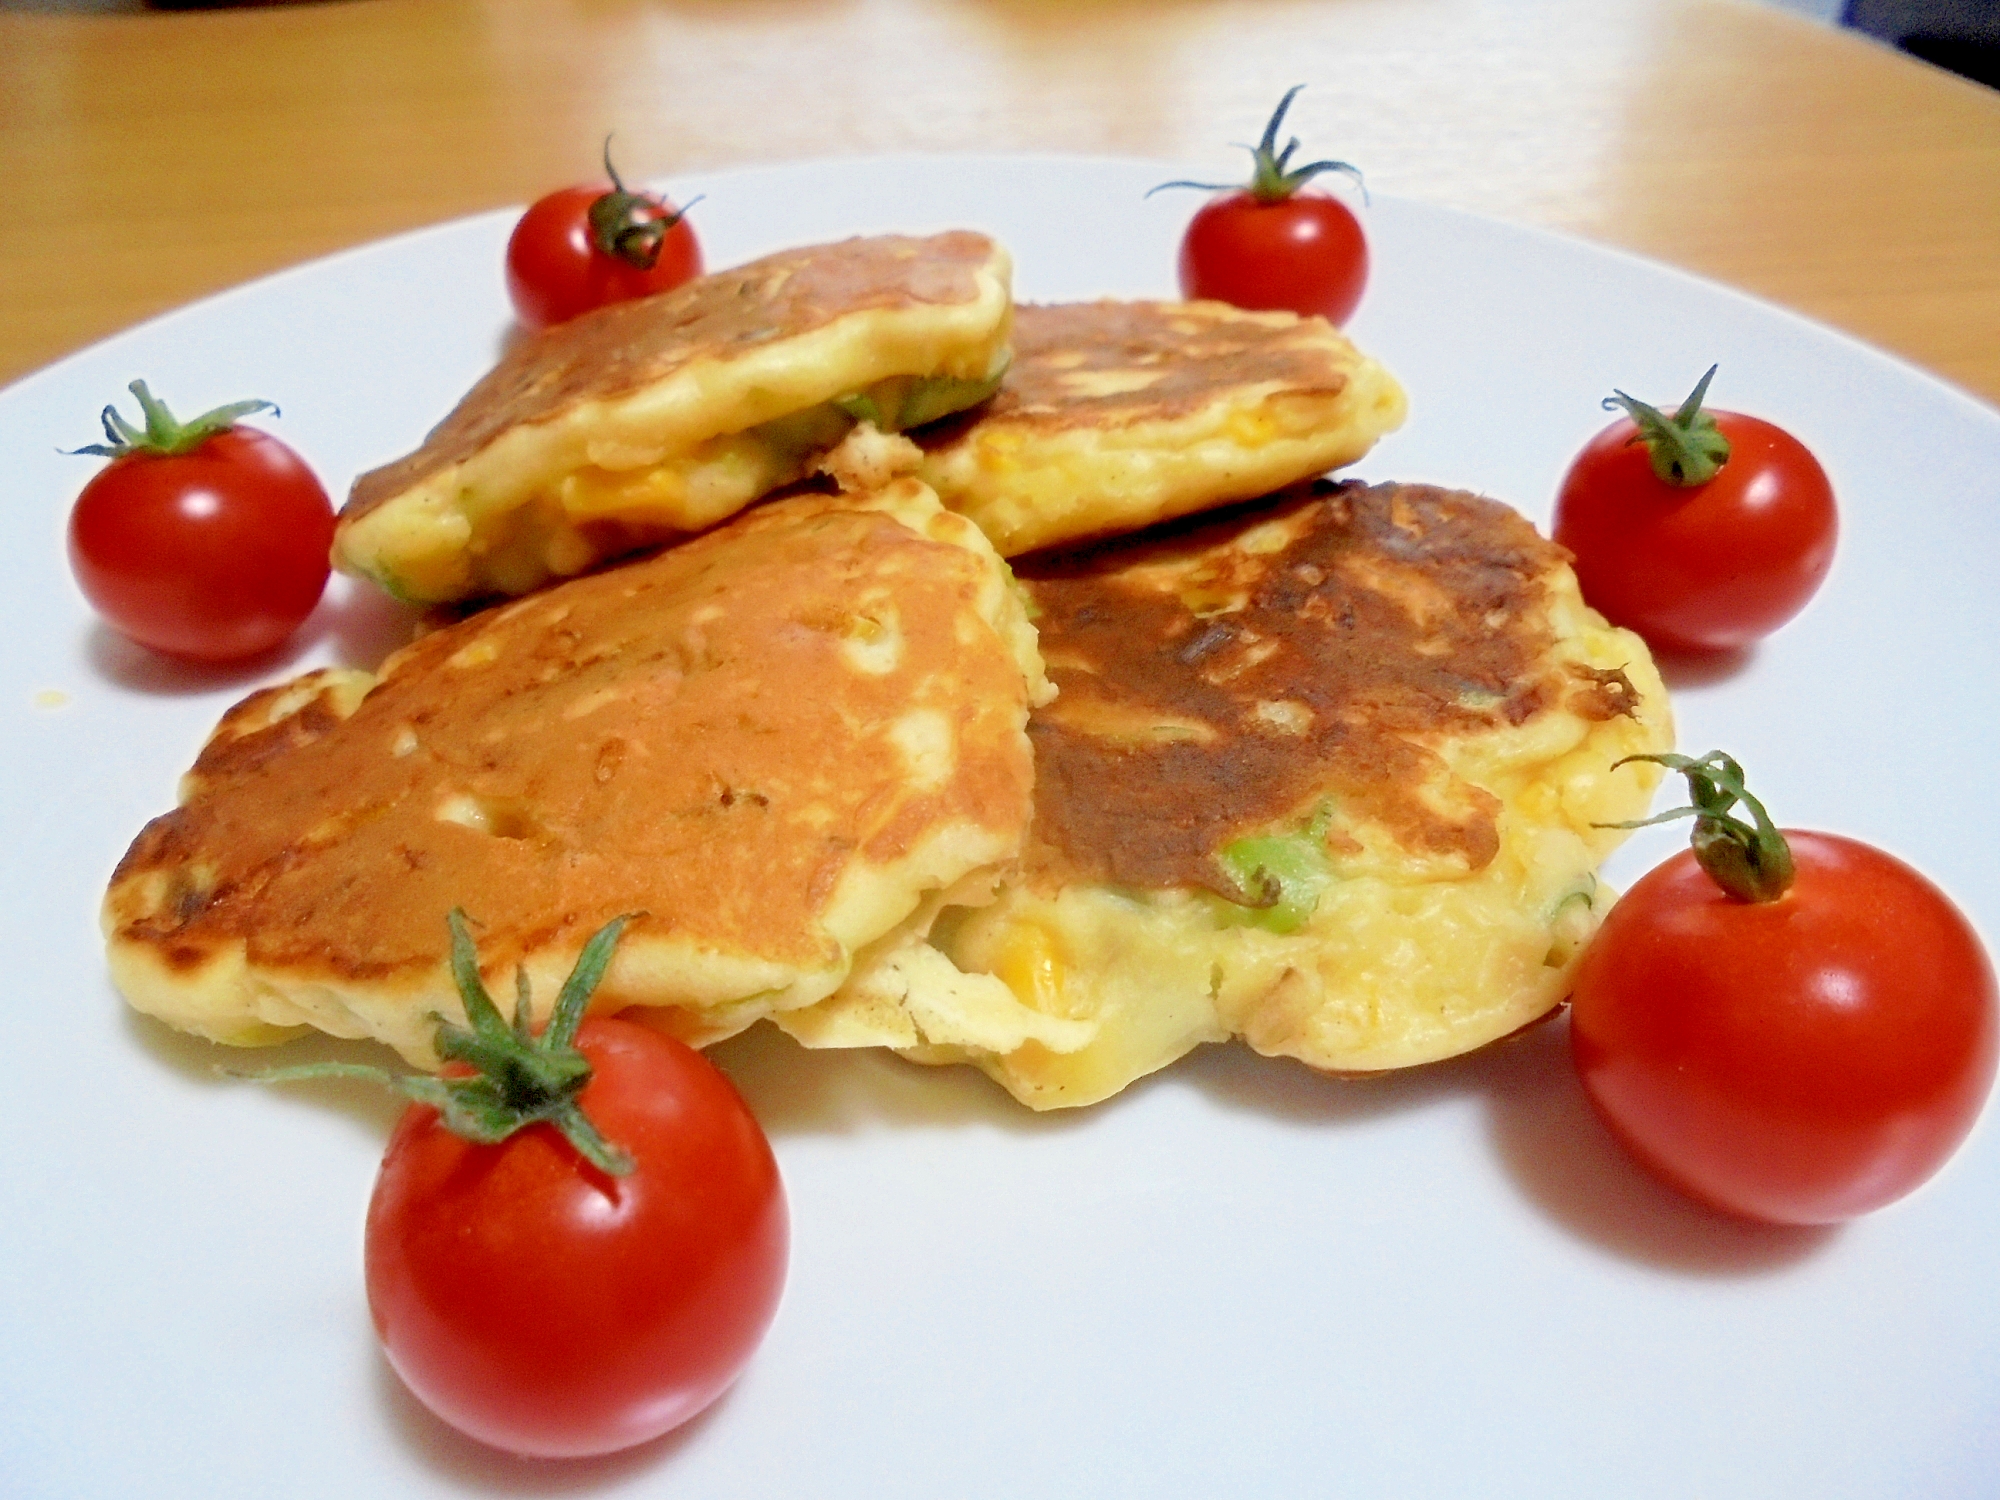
{"x": 1230, "y": 751}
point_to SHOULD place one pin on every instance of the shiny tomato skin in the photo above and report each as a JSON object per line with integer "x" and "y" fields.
{"x": 546, "y": 1308}
{"x": 555, "y": 270}
{"x": 1702, "y": 568}
{"x": 215, "y": 554}
{"x": 1304, "y": 254}
{"x": 1799, "y": 1061}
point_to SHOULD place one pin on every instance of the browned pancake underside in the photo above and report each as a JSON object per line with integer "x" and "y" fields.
{"x": 1110, "y": 364}
{"x": 1209, "y": 689}
{"x": 686, "y": 736}
{"x": 630, "y": 345}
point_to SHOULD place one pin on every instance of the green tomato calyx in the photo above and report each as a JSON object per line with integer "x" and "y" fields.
{"x": 631, "y": 226}
{"x": 1750, "y": 861}
{"x": 518, "y": 1077}
{"x": 1687, "y": 448}
{"x": 164, "y": 435}
{"x": 1273, "y": 178}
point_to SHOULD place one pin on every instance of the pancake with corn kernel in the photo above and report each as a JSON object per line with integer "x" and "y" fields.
{"x": 1322, "y": 773}
{"x": 652, "y": 419}
{"x": 778, "y": 744}
{"x": 1116, "y": 415}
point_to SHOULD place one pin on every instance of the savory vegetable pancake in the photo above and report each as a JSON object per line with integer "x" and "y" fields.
{"x": 775, "y": 743}
{"x": 1115, "y": 415}
{"x": 1323, "y": 773}
{"x": 652, "y": 419}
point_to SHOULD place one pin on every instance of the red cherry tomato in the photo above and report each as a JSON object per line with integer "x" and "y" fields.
{"x": 581, "y": 248}
{"x": 1703, "y": 567}
{"x": 1271, "y": 245}
{"x": 546, "y": 1307}
{"x": 216, "y": 552}
{"x": 1304, "y": 254}
{"x": 1801, "y": 1060}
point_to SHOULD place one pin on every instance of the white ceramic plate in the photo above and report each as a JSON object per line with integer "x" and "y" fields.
{"x": 1237, "y": 1278}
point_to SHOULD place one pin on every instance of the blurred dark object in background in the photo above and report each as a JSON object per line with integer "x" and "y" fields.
{"x": 1962, "y": 35}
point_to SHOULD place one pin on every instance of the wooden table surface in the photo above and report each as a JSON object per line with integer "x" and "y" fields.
{"x": 152, "y": 157}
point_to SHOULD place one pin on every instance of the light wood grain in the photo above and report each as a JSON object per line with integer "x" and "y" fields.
{"x": 149, "y": 158}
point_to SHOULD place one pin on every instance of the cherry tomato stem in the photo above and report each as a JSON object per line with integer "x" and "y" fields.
{"x": 1750, "y": 861}
{"x": 1686, "y": 448}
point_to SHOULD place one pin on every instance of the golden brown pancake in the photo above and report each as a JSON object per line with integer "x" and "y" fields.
{"x": 774, "y": 743}
{"x": 1324, "y": 772}
{"x": 660, "y": 417}
{"x": 1116, "y": 415}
